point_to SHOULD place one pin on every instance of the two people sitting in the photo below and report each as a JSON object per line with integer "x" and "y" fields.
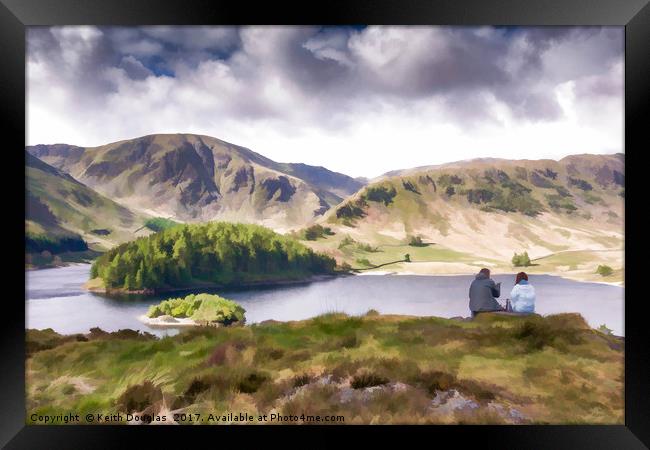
{"x": 483, "y": 293}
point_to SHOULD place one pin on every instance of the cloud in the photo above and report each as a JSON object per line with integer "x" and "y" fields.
{"x": 134, "y": 69}
{"x": 220, "y": 39}
{"x": 298, "y": 86}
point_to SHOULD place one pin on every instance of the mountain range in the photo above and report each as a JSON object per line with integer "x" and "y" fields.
{"x": 194, "y": 178}
{"x": 483, "y": 209}
{"x": 567, "y": 214}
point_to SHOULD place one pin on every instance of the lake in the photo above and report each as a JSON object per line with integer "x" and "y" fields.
{"x": 55, "y": 299}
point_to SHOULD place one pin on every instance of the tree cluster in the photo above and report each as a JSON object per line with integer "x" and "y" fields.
{"x": 37, "y": 243}
{"x": 219, "y": 252}
{"x": 522, "y": 260}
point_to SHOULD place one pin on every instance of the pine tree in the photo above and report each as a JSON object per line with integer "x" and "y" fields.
{"x": 128, "y": 282}
{"x": 516, "y": 260}
{"x": 139, "y": 281}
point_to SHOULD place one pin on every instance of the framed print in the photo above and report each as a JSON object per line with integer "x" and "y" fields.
{"x": 403, "y": 217}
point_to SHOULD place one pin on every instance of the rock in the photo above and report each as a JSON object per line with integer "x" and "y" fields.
{"x": 509, "y": 414}
{"x": 398, "y": 386}
{"x": 282, "y": 184}
{"x": 373, "y": 389}
{"x": 326, "y": 379}
{"x": 518, "y": 416}
{"x": 369, "y": 392}
{"x": 346, "y": 394}
{"x": 461, "y": 319}
{"x": 497, "y": 408}
{"x": 167, "y": 319}
{"x": 450, "y": 401}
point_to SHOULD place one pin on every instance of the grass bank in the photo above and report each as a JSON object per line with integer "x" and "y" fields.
{"x": 369, "y": 369}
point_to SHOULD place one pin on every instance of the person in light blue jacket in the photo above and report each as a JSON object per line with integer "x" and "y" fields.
{"x": 522, "y": 296}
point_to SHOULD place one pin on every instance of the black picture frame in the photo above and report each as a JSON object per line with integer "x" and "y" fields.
{"x": 634, "y": 15}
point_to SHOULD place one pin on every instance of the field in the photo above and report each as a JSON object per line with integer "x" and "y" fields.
{"x": 434, "y": 258}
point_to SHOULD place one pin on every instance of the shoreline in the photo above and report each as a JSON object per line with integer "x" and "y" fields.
{"x": 165, "y": 321}
{"x": 59, "y": 266}
{"x": 207, "y": 285}
{"x": 311, "y": 279}
{"x": 184, "y": 322}
{"x": 555, "y": 274}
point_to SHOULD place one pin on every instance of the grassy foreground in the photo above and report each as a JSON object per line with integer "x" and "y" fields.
{"x": 369, "y": 369}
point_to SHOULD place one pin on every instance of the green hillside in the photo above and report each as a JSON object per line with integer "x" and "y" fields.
{"x": 571, "y": 187}
{"x": 479, "y": 213}
{"x": 59, "y": 206}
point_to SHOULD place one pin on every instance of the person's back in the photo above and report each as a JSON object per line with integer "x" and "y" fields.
{"x": 522, "y": 296}
{"x": 482, "y": 292}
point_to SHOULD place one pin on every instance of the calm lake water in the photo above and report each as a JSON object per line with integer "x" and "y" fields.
{"x": 55, "y": 299}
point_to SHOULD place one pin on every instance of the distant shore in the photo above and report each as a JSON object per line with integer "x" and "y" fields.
{"x": 35, "y": 261}
{"x": 207, "y": 285}
{"x": 555, "y": 274}
{"x": 31, "y": 268}
{"x": 311, "y": 279}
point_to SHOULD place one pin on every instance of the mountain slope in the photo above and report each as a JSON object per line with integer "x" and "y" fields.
{"x": 60, "y": 206}
{"x": 480, "y": 212}
{"x": 199, "y": 178}
{"x": 334, "y": 184}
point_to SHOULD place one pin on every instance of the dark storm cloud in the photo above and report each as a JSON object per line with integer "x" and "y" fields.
{"x": 220, "y": 40}
{"x": 319, "y": 75}
{"x": 75, "y": 59}
{"x": 134, "y": 68}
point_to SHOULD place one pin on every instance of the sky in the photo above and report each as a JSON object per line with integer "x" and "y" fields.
{"x": 357, "y": 100}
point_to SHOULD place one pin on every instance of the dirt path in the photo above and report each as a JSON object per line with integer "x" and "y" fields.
{"x": 384, "y": 264}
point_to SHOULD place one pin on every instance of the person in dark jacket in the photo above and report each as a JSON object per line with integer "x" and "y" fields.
{"x": 482, "y": 293}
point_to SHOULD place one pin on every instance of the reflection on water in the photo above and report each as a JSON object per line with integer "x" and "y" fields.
{"x": 55, "y": 299}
